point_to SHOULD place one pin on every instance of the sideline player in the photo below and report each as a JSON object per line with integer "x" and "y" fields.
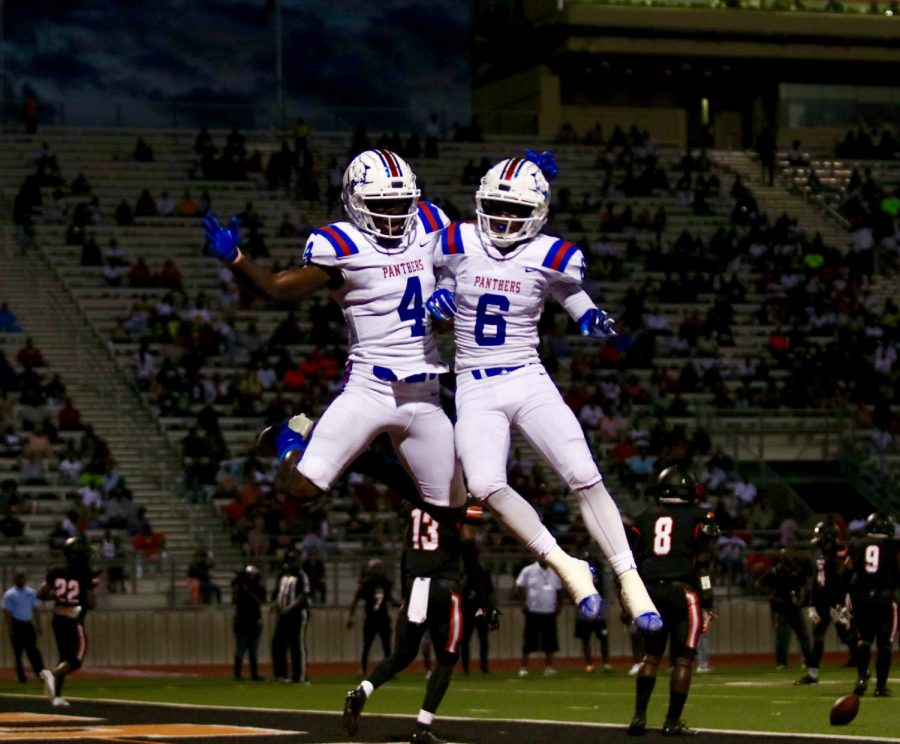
{"x": 494, "y": 279}
{"x": 375, "y": 592}
{"x": 378, "y": 268}
{"x": 872, "y": 563}
{"x": 827, "y": 596}
{"x": 72, "y": 590}
{"x": 672, "y": 545}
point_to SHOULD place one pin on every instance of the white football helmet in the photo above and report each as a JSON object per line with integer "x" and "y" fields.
{"x": 512, "y": 202}
{"x": 380, "y": 179}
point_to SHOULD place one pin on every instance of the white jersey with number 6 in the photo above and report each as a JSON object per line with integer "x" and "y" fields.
{"x": 501, "y": 297}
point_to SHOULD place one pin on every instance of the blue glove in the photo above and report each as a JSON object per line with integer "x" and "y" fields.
{"x": 597, "y": 323}
{"x": 222, "y": 241}
{"x": 441, "y": 304}
{"x": 545, "y": 161}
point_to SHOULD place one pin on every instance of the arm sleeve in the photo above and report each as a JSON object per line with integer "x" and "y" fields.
{"x": 565, "y": 285}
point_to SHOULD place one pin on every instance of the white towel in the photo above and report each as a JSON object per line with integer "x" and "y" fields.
{"x": 417, "y": 612}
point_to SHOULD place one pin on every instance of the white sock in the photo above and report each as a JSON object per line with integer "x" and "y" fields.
{"x": 520, "y": 518}
{"x": 604, "y": 523}
{"x": 573, "y": 572}
{"x": 367, "y": 687}
{"x": 425, "y": 718}
{"x": 813, "y": 672}
{"x": 634, "y": 594}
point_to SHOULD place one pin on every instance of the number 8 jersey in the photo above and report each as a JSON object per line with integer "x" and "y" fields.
{"x": 668, "y": 539}
{"x": 383, "y": 292}
{"x": 500, "y": 297}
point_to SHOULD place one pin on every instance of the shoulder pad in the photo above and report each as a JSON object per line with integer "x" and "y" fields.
{"x": 341, "y": 242}
{"x": 451, "y": 240}
{"x": 431, "y": 217}
{"x": 559, "y": 255}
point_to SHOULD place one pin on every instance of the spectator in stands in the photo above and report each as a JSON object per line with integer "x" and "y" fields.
{"x": 30, "y": 111}
{"x": 114, "y": 274}
{"x": 787, "y": 529}
{"x": 112, "y": 556}
{"x": 69, "y": 417}
{"x": 70, "y": 525}
{"x": 143, "y": 366}
{"x": 139, "y": 275}
{"x": 145, "y": 206}
{"x": 29, "y": 355}
{"x": 149, "y": 547}
{"x": 90, "y": 252}
{"x": 11, "y": 527}
{"x": 187, "y": 205}
{"x": 765, "y": 149}
{"x": 795, "y": 155}
{"x": 142, "y": 153}
{"x": 11, "y": 444}
{"x": 33, "y": 462}
{"x": 124, "y": 215}
{"x": 70, "y": 465}
{"x": 80, "y": 186}
{"x": 170, "y": 276}
{"x": 165, "y": 205}
{"x": 8, "y": 321}
{"x": 200, "y": 575}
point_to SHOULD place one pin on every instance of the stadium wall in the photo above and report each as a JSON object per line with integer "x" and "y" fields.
{"x": 204, "y": 636}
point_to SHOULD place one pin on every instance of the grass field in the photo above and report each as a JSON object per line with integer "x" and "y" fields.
{"x": 736, "y": 698}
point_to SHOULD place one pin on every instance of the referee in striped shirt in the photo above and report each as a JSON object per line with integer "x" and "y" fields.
{"x": 291, "y": 603}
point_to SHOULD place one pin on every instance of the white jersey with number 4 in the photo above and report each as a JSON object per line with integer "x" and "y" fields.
{"x": 501, "y": 297}
{"x": 383, "y": 292}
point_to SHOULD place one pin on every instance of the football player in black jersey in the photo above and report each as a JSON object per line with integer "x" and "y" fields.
{"x": 672, "y": 541}
{"x": 873, "y": 571}
{"x": 827, "y": 597}
{"x": 71, "y": 587}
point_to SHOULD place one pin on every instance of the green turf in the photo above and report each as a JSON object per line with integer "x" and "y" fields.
{"x": 734, "y": 698}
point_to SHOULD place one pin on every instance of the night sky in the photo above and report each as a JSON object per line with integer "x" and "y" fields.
{"x": 92, "y": 54}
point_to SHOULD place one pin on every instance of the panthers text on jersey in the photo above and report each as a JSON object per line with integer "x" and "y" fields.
{"x": 383, "y": 293}
{"x": 501, "y": 297}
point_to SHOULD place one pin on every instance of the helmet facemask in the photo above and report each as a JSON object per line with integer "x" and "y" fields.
{"x": 380, "y": 196}
{"x": 512, "y": 202}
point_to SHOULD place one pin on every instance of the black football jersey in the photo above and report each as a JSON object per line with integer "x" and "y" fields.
{"x": 827, "y": 589}
{"x": 375, "y": 591}
{"x": 875, "y": 567}
{"x": 433, "y": 546}
{"x": 668, "y": 539}
{"x": 70, "y": 587}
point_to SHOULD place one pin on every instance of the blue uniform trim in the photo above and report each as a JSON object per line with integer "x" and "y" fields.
{"x": 340, "y": 241}
{"x": 429, "y": 216}
{"x": 559, "y": 255}
{"x": 451, "y": 240}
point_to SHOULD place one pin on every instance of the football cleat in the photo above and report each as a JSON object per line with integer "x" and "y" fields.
{"x": 638, "y": 602}
{"x": 637, "y": 727}
{"x": 591, "y": 607}
{"x": 677, "y": 728}
{"x": 49, "y": 683}
{"x": 649, "y": 622}
{"x": 354, "y": 703}
{"x": 807, "y": 679}
{"x": 424, "y": 735}
{"x": 860, "y": 687}
{"x": 550, "y": 672}
{"x": 287, "y": 436}
{"x": 523, "y": 672}
{"x": 60, "y": 702}
{"x": 635, "y": 668}
{"x": 882, "y": 692}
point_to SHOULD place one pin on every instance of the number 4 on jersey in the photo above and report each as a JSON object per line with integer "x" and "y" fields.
{"x": 412, "y": 307}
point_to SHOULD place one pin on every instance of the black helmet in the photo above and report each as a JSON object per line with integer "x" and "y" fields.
{"x": 825, "y": 533}
{"x": 77, "y": 550}
{"x": 880, "y": 523}
{"x": 676, "y": 485}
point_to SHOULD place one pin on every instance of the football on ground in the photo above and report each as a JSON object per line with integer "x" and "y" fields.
{"x": 844, "y": 710}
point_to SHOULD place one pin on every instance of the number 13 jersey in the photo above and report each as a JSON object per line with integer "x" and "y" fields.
{"x": 501, "y": 297}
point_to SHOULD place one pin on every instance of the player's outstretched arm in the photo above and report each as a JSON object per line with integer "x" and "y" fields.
{"x": 290, "y": 285}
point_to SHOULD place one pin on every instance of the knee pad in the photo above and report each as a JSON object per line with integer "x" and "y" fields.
{"x": 481, "y": 487}
{"x": 315, "y": 470}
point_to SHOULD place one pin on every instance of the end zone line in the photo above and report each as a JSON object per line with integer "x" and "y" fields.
{"x": 467, "y": 719}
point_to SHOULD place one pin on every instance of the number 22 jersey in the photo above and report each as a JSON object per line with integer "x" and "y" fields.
{"x": 71, "y": 589}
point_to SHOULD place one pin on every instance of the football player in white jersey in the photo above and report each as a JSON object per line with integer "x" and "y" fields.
{"x": 494, "y": 278}
{"x": 378, "y": 268}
